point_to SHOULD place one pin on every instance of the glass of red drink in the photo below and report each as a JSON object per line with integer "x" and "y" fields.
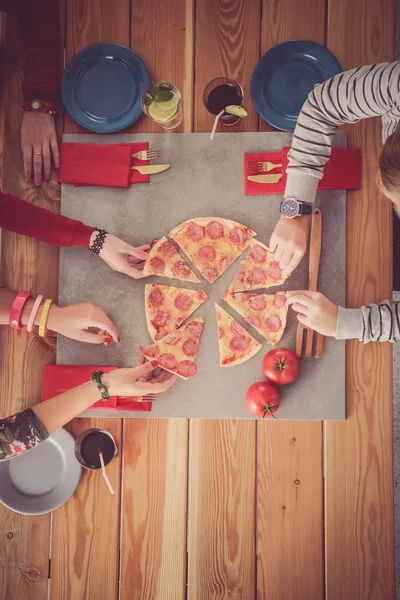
{"x": 222, "y": 92}
{"x": 88, "y": 444}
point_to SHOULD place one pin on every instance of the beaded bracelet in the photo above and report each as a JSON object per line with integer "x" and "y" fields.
{"x": 96, "y": 377}
{"x": 43, "y": 317}
{"x": 98, "y": 242}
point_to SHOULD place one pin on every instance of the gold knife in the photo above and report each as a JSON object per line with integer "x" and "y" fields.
{"x": 151, "y": 169}
{"x": 265, "y": 178}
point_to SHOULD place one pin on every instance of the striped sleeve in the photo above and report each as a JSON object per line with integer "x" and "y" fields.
{"x": 368, "y": 91}
{"x": 372, "y": 323}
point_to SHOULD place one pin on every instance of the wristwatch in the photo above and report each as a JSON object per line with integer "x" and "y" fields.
{"x": 291, "y": 208}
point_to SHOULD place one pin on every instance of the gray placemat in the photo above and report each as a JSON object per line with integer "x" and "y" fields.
{"x": 206, "y": 179}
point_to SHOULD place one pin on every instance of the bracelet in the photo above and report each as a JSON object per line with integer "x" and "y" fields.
{"x": 98, "y": 242}
{"x": 14, "y": 319}
{"x": 44, "y": 316}
{"x": 39, "y": 106}
{"x": 96, "y": 377}
{"x": 34, "y": 311}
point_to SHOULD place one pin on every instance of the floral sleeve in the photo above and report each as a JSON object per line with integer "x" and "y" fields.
{"x": 19, "y": 433}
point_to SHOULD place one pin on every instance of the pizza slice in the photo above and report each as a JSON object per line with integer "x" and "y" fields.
{"x": 236, "y": 345}
{"x": 258, "y": 270}
{"x": 164, "y": 260}
{"x": 176, "y": 351}
{"x": 265, "y": 312}
{"x": 212, "y": 243}
{"x": 167, "y": 307}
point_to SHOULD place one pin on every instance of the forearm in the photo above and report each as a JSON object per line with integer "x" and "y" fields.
{"x": 372, "y": 323}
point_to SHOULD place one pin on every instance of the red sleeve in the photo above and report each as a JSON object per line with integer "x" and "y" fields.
{"x": 40, "y": 31}
{"x": 27, "y": 219}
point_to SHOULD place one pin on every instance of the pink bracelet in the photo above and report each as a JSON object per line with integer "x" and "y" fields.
{"x": 33, "y": 314}
{"x": 14, "y": 319}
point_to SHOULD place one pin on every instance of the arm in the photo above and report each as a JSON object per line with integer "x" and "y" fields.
{"x": 372, "y": 323}
{"x": 364, "y": 92}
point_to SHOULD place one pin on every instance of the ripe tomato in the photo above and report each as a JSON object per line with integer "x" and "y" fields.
{"x": 280, "y": 366}
{"x": 262, "y": 399}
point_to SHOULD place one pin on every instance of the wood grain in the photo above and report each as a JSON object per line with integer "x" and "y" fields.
{"x": 154, "y": 509}
{"x": 358, "y": 452}
{"x": 221, "y": 541}
{"x": 290, "y": 511}
{"x": 162, "y": 34}
{"x": 228, "y": 45}
{"x": 85, "y": 536}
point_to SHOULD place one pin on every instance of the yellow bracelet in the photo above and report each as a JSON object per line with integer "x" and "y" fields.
{"x": 44, "y": 316}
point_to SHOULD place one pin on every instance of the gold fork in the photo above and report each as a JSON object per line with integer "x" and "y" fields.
{"x": 263, "y": 166}
{"x": 315, "y": 255}
{"x": 146, "y": 398}
{"x": 147, "y": 154}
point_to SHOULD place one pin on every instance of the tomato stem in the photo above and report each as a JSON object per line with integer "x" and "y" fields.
{"x": 267, "y": 410}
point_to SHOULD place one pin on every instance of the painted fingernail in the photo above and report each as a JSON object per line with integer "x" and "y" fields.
{"x": 107, "y": 340}
{"x": 154, "y": 363}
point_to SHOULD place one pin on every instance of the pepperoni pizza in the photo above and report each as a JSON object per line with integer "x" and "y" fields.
{"x": 236, "y": 345}
{"x": 212, "y": 243}
{"x": 176, "y": 351}
{"x": 258, "y": 270}
{"x": 164, "y": 260}
{"x": 167, "y": 307}
{"x": 265, "y": 312}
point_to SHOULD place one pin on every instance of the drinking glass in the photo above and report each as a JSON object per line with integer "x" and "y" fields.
{"x": 88, "y": 444}
{"x": 222, "y": 92}
{"x": 162, "y": 102}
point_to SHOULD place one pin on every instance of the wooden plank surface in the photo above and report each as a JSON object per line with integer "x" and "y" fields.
{"x": 295, "y": 574}
{"x": 154, "y": 501}
{"x": 222, "y": 478}
{"x": 358, "y": 452}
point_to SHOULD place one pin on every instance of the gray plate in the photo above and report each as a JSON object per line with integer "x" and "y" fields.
{"x": 43, "y": 478}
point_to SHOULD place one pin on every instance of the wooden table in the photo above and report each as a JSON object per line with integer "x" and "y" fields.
{"x": 214, "y": 509}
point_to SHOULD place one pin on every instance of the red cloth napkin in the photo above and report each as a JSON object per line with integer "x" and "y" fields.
{"x": 60, "y": 378}
{"x": 342, "y": 171}
{"x": 101, "y": 164}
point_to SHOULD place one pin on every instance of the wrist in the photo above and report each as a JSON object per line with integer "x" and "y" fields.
{"x": 107, "y": 380}
{"x": 52, "y": 318}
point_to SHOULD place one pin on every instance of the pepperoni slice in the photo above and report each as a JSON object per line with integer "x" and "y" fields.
{"x": 167, "y": 361}
{"x": 190, "y": 347}
{"x": 273, "y": 324}
{"x": 274, "y": 271}
{"x": 183, "y": 302}
{"x": 241, "y": 274}
{"x": 202, "y": 296}
{"x": 257, "y": 276}
{"x": 148, "y": 350}
{"x": 206, "y": 254}
{"x": 186, "y": 368}
{"x": 215, "y": 230}
{"x": 160, "y": 319}
{"x": 253, "y": 321}
{"x": 280, "y": 299}
{"x": 181, "y": 269}
{"x": 173, "y": 338}
{"x": 238, "y": 236}
{"x": 257, "y": 302}
{"x": 156, "y": 297}
{"x": 194, "y": 329}
{"x": 168, "y": 248}
{"x": 221, "y": 332}
{"x": 257, "y": 254}
{"x": 210, "y": 274}
{"x": 195, "y": 232}
{"x": 226, "y": 261}
{"x": 157, "y": 264}
{"x": 239, "y": 343}
{"x": 237, "y": 329}
{"x": 160, "y": 334}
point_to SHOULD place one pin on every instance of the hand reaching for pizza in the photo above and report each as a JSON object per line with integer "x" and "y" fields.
{"x": 122, "y": 257}
{"x": 315, "y": 311}
{"x": 289, "y": 242}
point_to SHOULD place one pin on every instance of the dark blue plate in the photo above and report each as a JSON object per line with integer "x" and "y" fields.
{"x": 102, "y": 86}
{"x": 285, "y": 75}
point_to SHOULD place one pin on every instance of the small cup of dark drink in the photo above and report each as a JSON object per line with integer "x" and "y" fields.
{"x": 222, "y": 92}
{"x": 88, "y": 444}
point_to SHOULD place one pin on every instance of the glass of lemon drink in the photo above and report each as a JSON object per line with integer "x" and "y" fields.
{"x": 162, "y": 102}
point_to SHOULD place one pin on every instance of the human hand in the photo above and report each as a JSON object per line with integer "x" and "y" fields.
{"x": 122, "y": 257}
{"x": 315, "y": 311}
{"x": 38, "y": 142}
{"x": 74, "y": 321}
{"x": 138, "y": 381}
{"x": 289, "y": 242}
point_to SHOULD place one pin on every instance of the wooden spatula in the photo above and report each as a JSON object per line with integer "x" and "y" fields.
{"x": 315, "y": 255}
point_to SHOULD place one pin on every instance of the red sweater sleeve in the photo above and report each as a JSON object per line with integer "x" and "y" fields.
{"x": 40, "y": 31}
{"x": 27, "y": 219}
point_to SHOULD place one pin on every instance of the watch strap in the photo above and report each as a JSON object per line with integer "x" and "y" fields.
{"x": 17, "y": 307}
{"x": 305, "y": 209}
{"x": 96, "y": 378}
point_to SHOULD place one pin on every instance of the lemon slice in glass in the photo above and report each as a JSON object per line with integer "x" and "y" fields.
{"x": 158, "y": 113}
{"x": 238, "y": 111}
{"x": 170, "y": 104}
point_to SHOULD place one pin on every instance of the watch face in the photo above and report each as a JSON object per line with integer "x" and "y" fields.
{"x": 290, "y": 208}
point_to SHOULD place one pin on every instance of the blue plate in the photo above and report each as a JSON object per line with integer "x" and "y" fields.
{"x": 102, "y": 86}
{"x": 285, "y": 75}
